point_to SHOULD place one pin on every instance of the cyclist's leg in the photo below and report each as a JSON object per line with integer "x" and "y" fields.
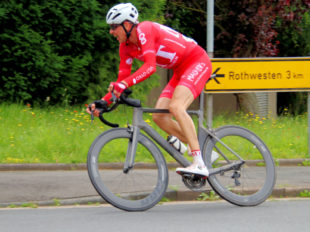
{"x": 165, "y": 121}
{"x": 184, "y": 127}
{"x": 189, "y": 87}
{"x": 185, "y": 85}
{"x": 181, "y": 100}
{"x": 179, "y": 93}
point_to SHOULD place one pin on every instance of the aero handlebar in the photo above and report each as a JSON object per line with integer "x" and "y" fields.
{"x": 122, "y": 100}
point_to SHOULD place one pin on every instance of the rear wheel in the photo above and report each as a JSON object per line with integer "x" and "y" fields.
{"x": 251, "y": 183}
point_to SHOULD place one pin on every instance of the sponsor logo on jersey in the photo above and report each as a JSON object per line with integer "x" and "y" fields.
{"x": 144, "y": 74}
{"x": 129, "y": 61}
{"x": 195, "y": 72}
{"x": 141, "y": 37}
{"x": 164, "y": 54}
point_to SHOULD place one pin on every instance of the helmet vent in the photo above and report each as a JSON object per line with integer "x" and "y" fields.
{"x": 109, "y": 15}
{"x": 116, "y": 16}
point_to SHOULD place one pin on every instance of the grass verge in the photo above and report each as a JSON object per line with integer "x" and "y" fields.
{"x": 64, "y": 135}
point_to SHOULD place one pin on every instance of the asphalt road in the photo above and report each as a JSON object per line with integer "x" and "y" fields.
{"x": 277, "y": 215}
{"x": 42, "y": 187}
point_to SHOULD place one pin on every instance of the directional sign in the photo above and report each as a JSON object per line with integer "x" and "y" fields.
{"x": 259, "y": 74}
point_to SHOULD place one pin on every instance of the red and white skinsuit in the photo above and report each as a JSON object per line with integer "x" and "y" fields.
{"x": 162, "y": 46}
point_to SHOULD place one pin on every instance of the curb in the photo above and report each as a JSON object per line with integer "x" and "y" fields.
{"x": 70, "y": 167}
{"x": 171, "y": 195}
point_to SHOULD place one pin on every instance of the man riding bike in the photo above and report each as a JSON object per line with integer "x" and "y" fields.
{"x": 159, "y": 45}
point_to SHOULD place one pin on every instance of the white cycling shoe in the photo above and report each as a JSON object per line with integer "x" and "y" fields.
{"x": 194, "y": 169}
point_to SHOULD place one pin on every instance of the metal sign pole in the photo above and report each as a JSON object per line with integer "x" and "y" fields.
{"x": 210, "y": 28}
{"x": 308, "y": 124}
{"x": 210, "y": 50}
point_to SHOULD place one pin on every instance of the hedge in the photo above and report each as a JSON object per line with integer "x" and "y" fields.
{"x": 60, "y": 52}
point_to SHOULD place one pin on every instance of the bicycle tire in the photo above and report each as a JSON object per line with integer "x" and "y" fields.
{"x": 139, "y": 189}
{"x": 257, "y": 175}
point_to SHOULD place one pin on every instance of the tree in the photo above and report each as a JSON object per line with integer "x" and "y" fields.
{"x": 187, "y": 17}
{"x": 60, "y": 52}
{"x": 260, "y": 28}
{"x": 249, "y": 28}
{"x": 293, "y": 26}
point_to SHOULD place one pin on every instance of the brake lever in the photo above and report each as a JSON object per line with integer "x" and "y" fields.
{"x": 114, "y": 98}
{"x": 92, "y": 116}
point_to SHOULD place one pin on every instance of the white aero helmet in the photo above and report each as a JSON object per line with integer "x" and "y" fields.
{"x": 122, "y": 12}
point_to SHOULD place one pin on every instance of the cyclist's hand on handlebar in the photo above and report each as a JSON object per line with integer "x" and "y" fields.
{"x": 91, "y": 109}
{"x": 96, "y": 107}
{"x": 117, "y": 88}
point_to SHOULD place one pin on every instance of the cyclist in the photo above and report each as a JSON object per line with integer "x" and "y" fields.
{"x": 156, "y": 44}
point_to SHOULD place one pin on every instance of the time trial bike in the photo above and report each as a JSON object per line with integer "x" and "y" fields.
{"x": 243, "y": 174}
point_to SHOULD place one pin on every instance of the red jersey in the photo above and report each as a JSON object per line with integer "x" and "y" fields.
{"x": 158, "y": 45}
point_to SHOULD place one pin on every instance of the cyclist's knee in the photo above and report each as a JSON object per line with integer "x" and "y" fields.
{"x": 156, "y": 118}
{"x": 160, "y": 119}
{"x": 176, "y": 108}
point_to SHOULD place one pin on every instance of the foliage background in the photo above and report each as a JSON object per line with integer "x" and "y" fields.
{"x": 246, "y": 28}
{"x": 250, "y": 28}
{"x": 60, "y": 52}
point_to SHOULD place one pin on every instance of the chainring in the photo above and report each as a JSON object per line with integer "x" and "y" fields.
{"x": 194, "y": 182}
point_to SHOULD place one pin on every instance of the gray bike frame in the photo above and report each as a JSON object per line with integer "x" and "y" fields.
{"x": 203, "y": 134}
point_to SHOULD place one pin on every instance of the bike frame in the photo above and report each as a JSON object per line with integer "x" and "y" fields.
{"x": 203, "y": 134}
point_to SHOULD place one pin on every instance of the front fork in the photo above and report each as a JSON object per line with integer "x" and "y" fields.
{"x": 132, "y": 147}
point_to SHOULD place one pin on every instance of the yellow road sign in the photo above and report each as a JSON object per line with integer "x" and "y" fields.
{"x": 260, "y": 74}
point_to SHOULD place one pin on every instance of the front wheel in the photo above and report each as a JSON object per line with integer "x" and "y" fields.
{"x": 134, "y": 190}
{"x": 249, "y": 184}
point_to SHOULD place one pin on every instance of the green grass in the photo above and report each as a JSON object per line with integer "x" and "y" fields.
{"x": 211, "y": 196}
{"x": 304, "y": 193}
{"x": 64, "y": 135}
{"x": 285, "y": 136}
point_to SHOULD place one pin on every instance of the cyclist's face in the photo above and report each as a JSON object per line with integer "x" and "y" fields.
{"x": 118, "y": 32}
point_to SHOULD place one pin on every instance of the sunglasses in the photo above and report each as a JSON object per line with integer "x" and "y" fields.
{"x": 114, "y": 26}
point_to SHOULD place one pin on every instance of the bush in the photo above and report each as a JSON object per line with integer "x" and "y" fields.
{"x": 188, "y": 17}
{"x": 59, "y": 52}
